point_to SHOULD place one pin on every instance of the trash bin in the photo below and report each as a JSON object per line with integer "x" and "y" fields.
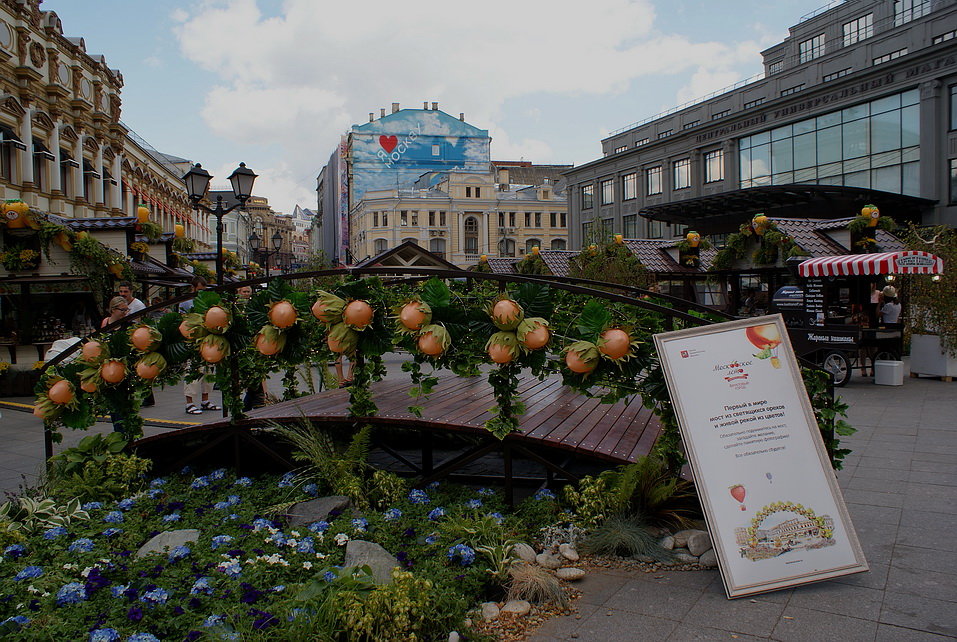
{"x": 889, "y": 373}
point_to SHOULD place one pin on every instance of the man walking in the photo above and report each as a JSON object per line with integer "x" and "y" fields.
{"x": 125, "y": 290}
{"x": 198, "y": 387}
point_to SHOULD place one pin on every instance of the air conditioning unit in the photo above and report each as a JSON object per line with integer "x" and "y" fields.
{"x": 506, "y": 230}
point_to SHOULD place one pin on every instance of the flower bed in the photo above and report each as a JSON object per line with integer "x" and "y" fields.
{"x": 248, "y": 575}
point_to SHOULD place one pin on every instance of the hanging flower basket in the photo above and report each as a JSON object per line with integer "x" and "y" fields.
{"x": 19, "y": 259}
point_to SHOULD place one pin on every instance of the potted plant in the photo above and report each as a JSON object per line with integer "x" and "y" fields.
{"x": 931, "y": 321}
{"x": 17, "y": 258}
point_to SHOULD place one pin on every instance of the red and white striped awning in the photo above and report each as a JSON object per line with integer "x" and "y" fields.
{"x": 906, "y": 262}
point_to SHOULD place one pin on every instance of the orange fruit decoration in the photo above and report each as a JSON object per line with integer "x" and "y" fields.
{"x": 282, "y": 315}
{"x": 615, "y": 343}
{"x": 91, "y": 351}
{"x": 216, "y": 319}
{"x": 430, "y": 344}
{"x": 358, "y": 314}
{"x": 147, "y": 372}
{"x": 112, "y": 371}
{"x": 576, "y": 364}
{"x": 412, "y": 316}
{"x": 211, "y": 353}
{"x": 499, "y": 353}
{"x": 266, "y": 346}
{"x": 142, "y": 338}
{"x": 88, "y": 386}
{"x": 61, "y": 392}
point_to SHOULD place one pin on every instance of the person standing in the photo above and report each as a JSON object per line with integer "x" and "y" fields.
{"x": 125, "y": 290}
{"x": 119, "y": 308}
{"x": 199, "y": 387}
{"x": 891, "y": 310}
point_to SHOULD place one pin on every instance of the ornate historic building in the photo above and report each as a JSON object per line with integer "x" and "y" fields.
{"x": 63, "y": 147}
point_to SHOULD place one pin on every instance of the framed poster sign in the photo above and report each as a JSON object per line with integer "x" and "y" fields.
{"x": 775, "y": 512}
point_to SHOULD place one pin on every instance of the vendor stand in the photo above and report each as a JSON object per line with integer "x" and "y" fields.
{"x": 828, "y": 317}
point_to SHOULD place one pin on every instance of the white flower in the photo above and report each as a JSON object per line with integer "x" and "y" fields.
{"x": 342, "y": 539}
{"x": 291, "y": 543}
{"x": 294, "y": 533}
{"x": 87, "y": 570}
{"x": 321, "y": 556}
{"x": 33, "y": 589}
{"x": 307, "y": 565}
{"x": 69, "y": 567}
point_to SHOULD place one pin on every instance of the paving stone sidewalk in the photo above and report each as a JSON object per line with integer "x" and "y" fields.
{"x": 900, "y": 485}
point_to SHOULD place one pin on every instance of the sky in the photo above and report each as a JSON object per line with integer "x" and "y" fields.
{"x": 275, "y": 83}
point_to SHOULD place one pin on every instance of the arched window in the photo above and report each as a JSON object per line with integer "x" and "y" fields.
{"x": 471, "y": 235}
{"x": 559, "y": 244}
{"x": 380, "y": 246}
{"x": 437, "y": 247}
{"x": 507, "y": 247}
{"x": 416, "y": 241}
{"x": 530, "y": 243}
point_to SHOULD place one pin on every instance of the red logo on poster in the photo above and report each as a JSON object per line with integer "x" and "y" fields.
{"x": 388, "y": 143}
{"x": 684, "y": 354}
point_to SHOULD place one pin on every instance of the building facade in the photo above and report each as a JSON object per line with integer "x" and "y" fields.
{"x": 461, "y": 215}
{"x": 857, "y": 105}
{"x": 63, "y": 147}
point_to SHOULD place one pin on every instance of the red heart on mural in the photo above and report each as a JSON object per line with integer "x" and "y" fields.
{"x": 388, "y": 143}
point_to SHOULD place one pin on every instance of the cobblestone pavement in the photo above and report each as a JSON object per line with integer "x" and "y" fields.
{"x": 900, "y": 484}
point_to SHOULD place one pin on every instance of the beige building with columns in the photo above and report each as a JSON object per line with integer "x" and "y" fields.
{"x": 461, "y": 215}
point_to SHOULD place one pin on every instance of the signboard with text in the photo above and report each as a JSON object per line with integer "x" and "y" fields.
{"x": 775, "y": 512}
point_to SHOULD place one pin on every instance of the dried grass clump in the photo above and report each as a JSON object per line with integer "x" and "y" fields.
{"x": 625, "y": 537}
{"x": 535, "y": 584}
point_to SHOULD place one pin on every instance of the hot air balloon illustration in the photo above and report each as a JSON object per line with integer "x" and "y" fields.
{"x": 766, "y": 338}
{"x": 738, "y": 492}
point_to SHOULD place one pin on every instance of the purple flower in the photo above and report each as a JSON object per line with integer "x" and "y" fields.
{"x": 218, "y": 475}
{"x": 200, "y": 482}
{"x": 244, "y": 482}
{"x": 92, "y": 506}
{"x": 15, "y": 551}
{"x": 498, "y": 517}
{"x": 28, "y": 573}
{"x": 135, "y": 614}
{"x": 172, "y": 517}
{"x": 70, "y": 593}
{"x": 311, "y": 489}
{"x": 20, "y": 620}
{"x": 221, "y": 540}
{"x": 201, "y": 587}
{"x": 431, "y": 539}
{"x": 486, "y": 491}
{"x": 392, "y": 514}
{"x": 95, "y": 581}
{"x": 544, "y": 493}
{"x": 264, "y": 621}
{"x": 113, "y": 517}
{"x": 250, "y": 594}
{"x": 156, "y": 596}
{"x": 360, "y": 523}
{"x": 286, "y": 481}
{"x": 142, "y": 637}
{"x": 119, "y": 590}
{"x": 159, "y": 481}
{"x": 126, "y": 504}
{"x": 153, "y": 493}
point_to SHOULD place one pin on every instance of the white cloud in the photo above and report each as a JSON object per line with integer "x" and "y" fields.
{"x": 299, "y": 79}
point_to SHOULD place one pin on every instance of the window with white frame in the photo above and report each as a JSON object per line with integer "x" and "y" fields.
{"x": 653, "y": 180}
{"x": 630, "y": 226}
{"x": 471, "y": 235}
{"x": 629, "y": 186}
{"x": 811, "y": 48}
{"x": 607, "y": 191}
{"x": 891, "y": 56}
{"x": 588, "y": 197}
{"x": 682, "y": 173}
{"x": 776, "y": 67}
{"x": 907, "y": 10}
{"x": 714, "y": 166}
{"x": 858, "y": 29}
{"x": 437, "y": 247}
{"x": 621, "y": 149}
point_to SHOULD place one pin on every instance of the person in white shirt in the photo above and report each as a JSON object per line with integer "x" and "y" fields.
{"x": 891, "y": 310}
{"x": 125, "y": 290}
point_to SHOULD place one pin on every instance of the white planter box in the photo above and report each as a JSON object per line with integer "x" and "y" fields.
{"x": 927, "y": 358}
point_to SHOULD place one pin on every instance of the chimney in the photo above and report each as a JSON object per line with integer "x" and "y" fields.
{"x": 395, "y": 107}
{"x": 425, "y": 105}
{"x": 462, "y": 116}
{"x": 435, "y": 106}
{"x": 371, "y": 116}
{"x": 382, "y": 112}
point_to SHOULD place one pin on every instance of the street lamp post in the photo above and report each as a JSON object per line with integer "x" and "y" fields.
{"x": 197, "y": 184}
{"x": 255, "y": 244}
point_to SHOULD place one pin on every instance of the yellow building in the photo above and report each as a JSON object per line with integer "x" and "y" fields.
{"x": 461, "y": 215}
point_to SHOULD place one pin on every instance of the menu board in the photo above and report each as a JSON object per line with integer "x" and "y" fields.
{"x": 814, "y": 301}
{"x": 774, "y": 510}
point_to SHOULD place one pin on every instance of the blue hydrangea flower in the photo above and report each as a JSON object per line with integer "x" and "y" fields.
{"x": 15, "y": 550}
{"x": 474, "y": 503}
{"x": 486, "y": 491}
{"x": 436, "y": 513}
{"x": 213, "y": 620}
{"x": 431, "y": 539}
{"x": 118, "y": 590}
{"x": 104, "y": 635}
{"x": 279, "y": 589}
{"x": 544, "y": 493}
{"x": 71, "y": 593}
{"x": 114, "y": 517}
{"x": 185, "y": 470}
{"x": 231, "y": 568}
{"x": 200, "y": 482}
{"x": 360, "y": 523}
{"x": 392, "y": 514}
{"x": 153, "y": 493}
{"x": 28, "y": 573}
{"x": 126, "y": 504}
{"x": 498, "y": 517}
{"x": 172, "y": 517}
{"x": 221, "y": 540}
{"x": 22, "y": 620}
{"x": 110, "y": 532}
{"x": 232, "y": 500}
{"x": 311, "y": 489}
{"x": 220, "y": 506}
{"x": 277, "y": 538}
{"x": 465, "y": 555}
{"x": 231, "y": 517}
{"x": 142, "y": 637}
{"x": 434, "y": 484}
{"x": 92, "y": 506}
{"x": 55, "y": 532}
{"x": 201, "y": 587}
{"x": 178, "y": 553}
{"x": 319, "y": 527}
{"x": 244, "y": 482}
{"x": 305, "y": 545}
{"x": 82, "y": 545}
{"x": 329, "y": 576}
{"x": 286, "y": 481}
{"x": 156, "y": 596}
{"x": 262, "y": 524}
{"x": 156, "y": 483}
{"x": 218, "y": 475}
{"x": 417, "y": 496}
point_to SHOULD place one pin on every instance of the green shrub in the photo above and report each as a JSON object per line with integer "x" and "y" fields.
{"x": 32, "y": 515}
{"x": 625, "y": 537}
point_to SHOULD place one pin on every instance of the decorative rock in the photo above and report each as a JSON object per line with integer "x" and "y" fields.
{"x": 524, "y": 552}
{"x": 167, "y": 540}
{"x": 381, "y": 561}
{"x": 547, "y": 560}
{"x": 708, "y": 559}
{"x": 517, "y": 607}
{"x": 570, "y": 574}
{"x": 490, "y": 611}
{"x": 681, "y": 537}
{"x": 454, "y": 636}
{"x": 667, "y": 543}
{"x": 685, "y": 558}
{"x": 568, "y": 552}
{"x": 316, "y": 510}
{"x": 699, "y": 542}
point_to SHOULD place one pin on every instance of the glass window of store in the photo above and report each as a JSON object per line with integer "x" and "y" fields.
{"x": 873, "y": 145}
{"x": 682, "y": 173}
{"x": 588, "y": 197}
{"x": 607, "y": 191}
{"x": 714, "y": 166}
{"x": 629, "y": 186}
{"x": 630, "y": 226}
{"x": 811, "y": 48}
{"x": 859, "y": 29}
{"x": 653, "y": 180}
{"x": 559, "y": 244}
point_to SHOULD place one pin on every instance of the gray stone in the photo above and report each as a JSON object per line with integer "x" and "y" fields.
{"x": 362, "y": 553}
{"x": 681, "y": 537}
{"x": 490, "y": 611}
{"x": 548, "y": 560}
{"x": 524, "y": 552}
{"x": 699, "y": 542}
{"x": 167, "y": 540}
{"x": 454, "y": 636}
{"x": 315, "y": 510}
{"x": 667, "y": 543}
{"x": 684, "y": 556}
{"x": 568, "y": 552}
{"x": 708, "y": 559}
{"x": 569, "y": 574}
{"x": 517, "y": 607}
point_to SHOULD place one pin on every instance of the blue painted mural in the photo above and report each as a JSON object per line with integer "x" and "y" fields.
{"x": 397, "y": 149}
